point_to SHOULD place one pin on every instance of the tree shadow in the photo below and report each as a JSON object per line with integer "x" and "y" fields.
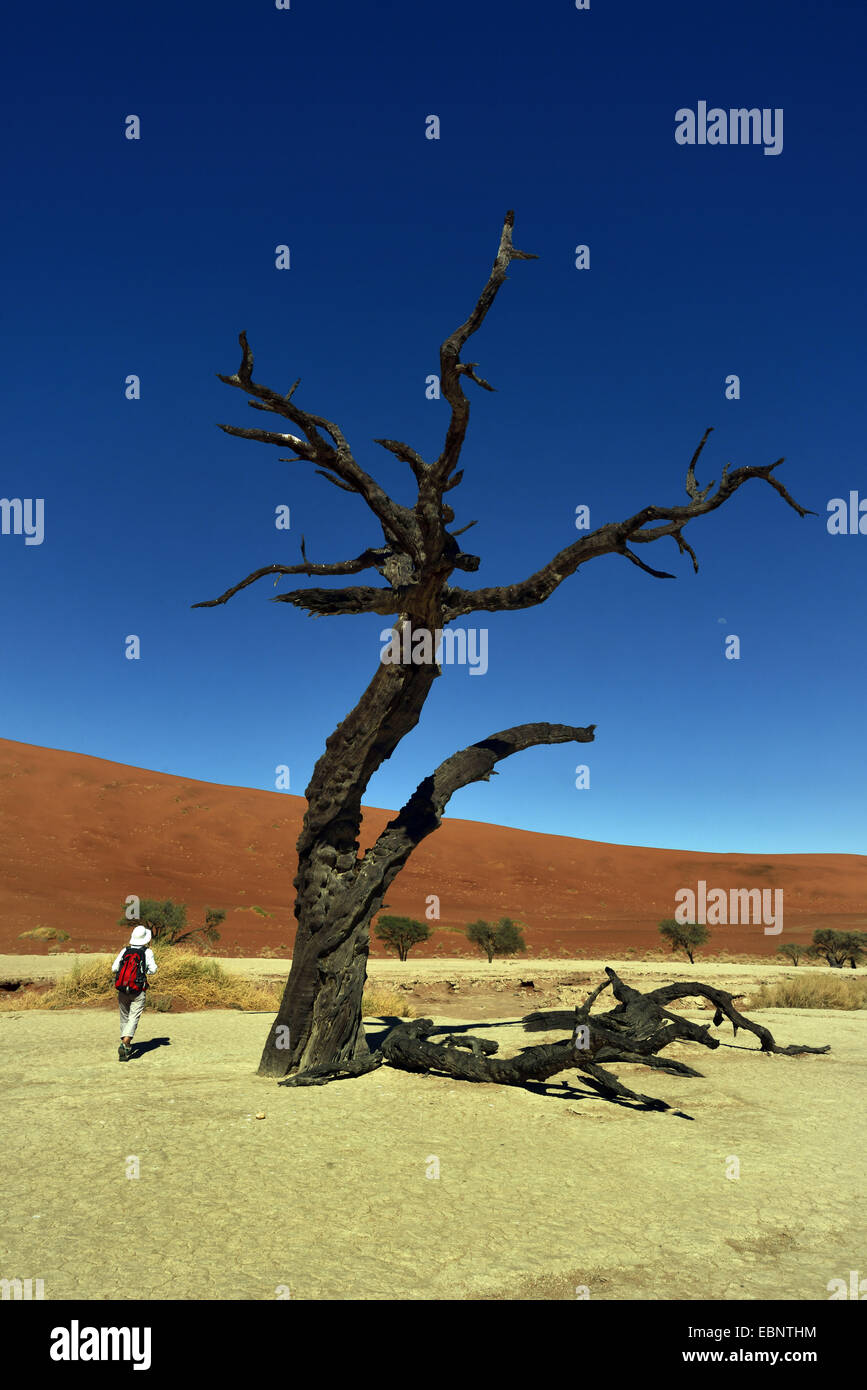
{"x": 562, "y": 1089}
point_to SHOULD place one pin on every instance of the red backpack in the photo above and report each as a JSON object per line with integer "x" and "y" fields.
{"x": 132, "y": 971}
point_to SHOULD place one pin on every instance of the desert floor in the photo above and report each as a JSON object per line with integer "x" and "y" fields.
{"x": 540, "y": 1193}
{"x": 420, "y": 969}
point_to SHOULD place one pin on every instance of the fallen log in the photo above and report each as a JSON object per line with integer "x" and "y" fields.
{"x": 635, "y": 1031}
{"x": 640, "y": 1015}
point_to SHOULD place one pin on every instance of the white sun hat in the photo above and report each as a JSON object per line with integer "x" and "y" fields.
{"x": 140, "y": 937}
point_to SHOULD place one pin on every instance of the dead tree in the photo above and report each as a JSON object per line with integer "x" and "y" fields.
{"x": 318, "y": 1028}
{"x": 636, "y": 1031}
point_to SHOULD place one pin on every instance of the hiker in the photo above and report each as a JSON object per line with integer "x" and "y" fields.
{"x": 131, "y": 968}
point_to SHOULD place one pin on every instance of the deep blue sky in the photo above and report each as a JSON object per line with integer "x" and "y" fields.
{"x": 307, "y": 127}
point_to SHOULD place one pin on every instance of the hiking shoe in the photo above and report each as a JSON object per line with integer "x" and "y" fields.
{"x": 124, "y": 1053}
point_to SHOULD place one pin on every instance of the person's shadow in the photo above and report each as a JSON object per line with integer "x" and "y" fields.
{"x": 139, "y": 1049}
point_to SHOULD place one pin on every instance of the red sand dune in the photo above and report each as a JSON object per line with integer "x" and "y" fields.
{"x": 80, "y": 833}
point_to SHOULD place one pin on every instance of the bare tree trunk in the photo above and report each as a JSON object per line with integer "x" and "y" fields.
{"x": 318, "y": 1026}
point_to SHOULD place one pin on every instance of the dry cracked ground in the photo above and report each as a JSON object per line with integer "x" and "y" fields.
{"x": 395, "y": 1186}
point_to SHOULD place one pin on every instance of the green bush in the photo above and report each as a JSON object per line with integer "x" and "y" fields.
{"x": 44, "y": 934}
{"x": 167, "y": 921}
{"x": 792, "y": 950}
{"x": 684, "y": 936}
{"x": 838, "y": 947}
{"x": 400, "y": 934}
{"x": 503, "y": 938}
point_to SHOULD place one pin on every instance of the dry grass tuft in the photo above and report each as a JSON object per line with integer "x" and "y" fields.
{"x": 181, "y": 975}
{"x": 385, "y": 1003}
{"x": 185, "y": 978}
{"x": 812, "y": 992}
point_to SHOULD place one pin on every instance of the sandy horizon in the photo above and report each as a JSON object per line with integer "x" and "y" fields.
{"x": 81, "y": 833}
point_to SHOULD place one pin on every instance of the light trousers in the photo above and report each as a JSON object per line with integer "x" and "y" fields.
{"x": 131, "y": 1009}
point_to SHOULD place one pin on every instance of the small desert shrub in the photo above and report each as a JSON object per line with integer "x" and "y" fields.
{"x": 812, "y": 992}
{"x": 384, "y": 1003}
{"x": 200, "y": 983}
{"x": 792, "y": 950}
{"x": 44, "y": 934}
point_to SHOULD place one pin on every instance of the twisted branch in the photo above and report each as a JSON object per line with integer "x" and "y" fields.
{"x": 335, "y": 458}
{"x": 614, "y": 538}
{"x": 636, "y": 1031}
{"x": 369, "y": 559}
{"x": 452, "y": 369}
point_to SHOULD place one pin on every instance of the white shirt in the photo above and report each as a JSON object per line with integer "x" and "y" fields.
{"x": 150, "y": 963}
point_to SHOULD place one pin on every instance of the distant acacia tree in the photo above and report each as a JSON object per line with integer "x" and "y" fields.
{"x": 401, "y": 934}
{"x": 684, "y": 936}
{"x": 793, "y": 950}
{"x": 855, "y": 946}
{"x": 481, "y": 934}
{"x": 318, "y": 1035}
{"x": 838, "y": 947}
{"x": 503, "y": 938}
{"x": 167, "y": 921}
